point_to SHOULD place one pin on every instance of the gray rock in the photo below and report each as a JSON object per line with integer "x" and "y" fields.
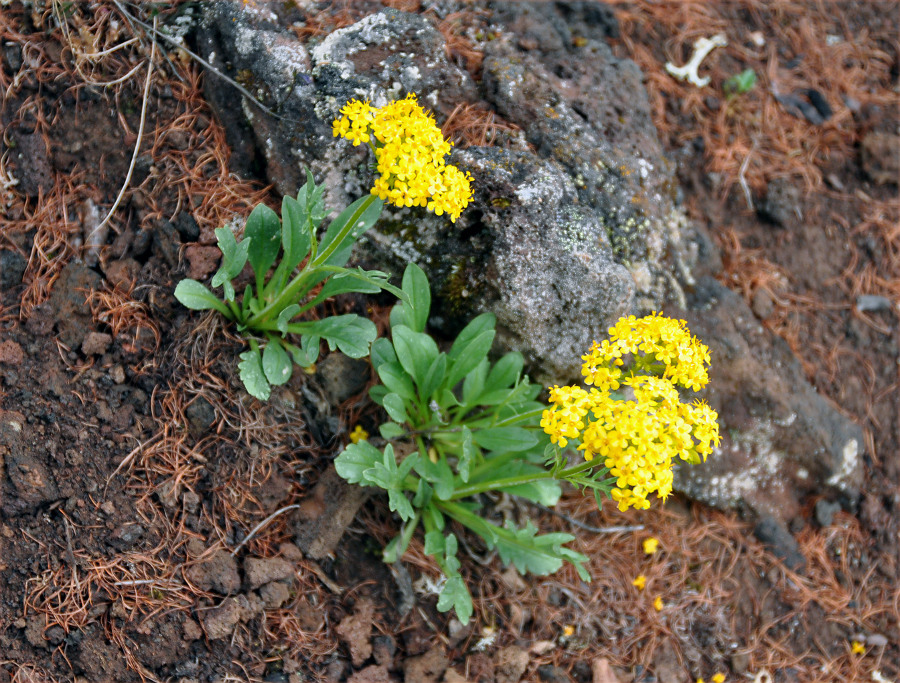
{"x": 782, "y": 203}
{"x": 201, "y": 416}
{"x": 573, "y": 223}
{"x": 12, "y": 268}
{"x": 781, "y": 441}
{"x": 825, "y": 512}
{"x": 775, "y": 536}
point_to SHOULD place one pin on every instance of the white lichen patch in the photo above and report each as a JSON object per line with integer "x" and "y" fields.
{"x": 848, "y": 467}
{"x": 764, "y": 472}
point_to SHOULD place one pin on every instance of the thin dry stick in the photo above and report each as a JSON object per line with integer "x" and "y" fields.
{"x": 140, "y": 134}
{"x": 261, "y": 525}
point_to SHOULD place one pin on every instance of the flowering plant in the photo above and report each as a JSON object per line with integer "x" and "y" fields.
{"x": 267, "y": 310}
{"x": 464, "y": 427}
{"x": 409, "y": 151}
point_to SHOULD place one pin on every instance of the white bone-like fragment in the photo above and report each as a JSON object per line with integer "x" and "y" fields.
{"x": 702, "y": 47}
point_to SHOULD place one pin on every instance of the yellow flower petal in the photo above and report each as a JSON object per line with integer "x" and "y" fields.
{"x": 650, "y": 545}
{"x": 640, "y": 582}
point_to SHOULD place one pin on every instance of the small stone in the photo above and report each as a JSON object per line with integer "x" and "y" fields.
{"x": 95, "y": 344}
{"x": 782, "y": 203}
{"x": 275, "y": 594}
{"x": 740, "y": 663}
{"x": 553, "y": 674}
{"x": 202, "y": 261}
{"x": 117, "y": 374}
{"x": 11, "y": 353}
{"x": 355, "y": 630}
{"x": 124, "y": 272}
{"x": 216, "y": 573}
{"x": 259, "y": 571}
{"x": 187, "y": 227}
{"x": 377, "y": 673}
{"x": 880, "y": 159}
{"x": 453, "y": 676}
{"x": 426, "y": 668}
{"x": 825, "y": 511}
{"x": 191, "y": 502}
{"x": 762, "y": 304}
{"x": 220, "y": 621}
{"x": 201, "y": 416}
{"x": 192, "y": 630}
{"x": 126, "y": 535}
{"x": 12, "y": 268}
{"x": 384, "y": 648}
{"x": 511, "y": 664}
{"x": 108, "y": 508}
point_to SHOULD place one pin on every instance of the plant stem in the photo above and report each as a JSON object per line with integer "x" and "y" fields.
{"x": 481, "y": 487}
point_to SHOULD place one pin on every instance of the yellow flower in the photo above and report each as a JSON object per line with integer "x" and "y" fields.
{"x": 568, "y": 631}
{"x": 650, "y": 545}
{"x": 658, "y": 605}
{"x": 638, "y": 440}
{"x": 640, "y": 582}
{"x": 700, "y": 680}
{"x": 358, "y": 434}
{"x": 857, "y": 648}
{"x": 718, "y": 678}
{"x": 409, "y": 153}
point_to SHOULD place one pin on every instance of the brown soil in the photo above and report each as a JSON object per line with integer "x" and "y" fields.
{"x": 133, "y": 464}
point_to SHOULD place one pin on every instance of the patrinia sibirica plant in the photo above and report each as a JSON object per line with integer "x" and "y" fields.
{"x": 461, "y": 426}
{"x": 295, "y": 269}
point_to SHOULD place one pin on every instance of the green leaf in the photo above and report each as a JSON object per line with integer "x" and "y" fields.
{"x": 394, "y": 377}
{"x": 349, "y": 281}
{"x": 466, "y": 356}
{"x": 391, "y": 430}
{"x": 541, "y": 555}
{"x": 577, "y": 560}
{"x": 311, "y": 197}
{"x": 424, "y": 492}
{"x": 284, "y": 318}
{"x": 456, "y": 596}
{"x": 382, "y": 352}
{"x": 416, "y": 352}
{"x": 505, "y": 371}
{"x": 263, "y": 229}
{"x": 234, "y": 256}
{"x": 438, "y": 474}
{"x": 197, "y": 297}
{"x": 350, "y": 333}
{"x": 308, "y": 352}
{"x": 355, "y": 460}
{"x": 435, "y": 517}
{"x": 473, "y": 385}
{"x": 505, "y": 439}
{"x": 740, "y": 83}
{"x": 466, "y": 456}
{"x": 295, "y": 233}
{"x": 342, "y": 233}
{"x": 544, "y": 491}
{"x": 253, "y": 376}
{"x": 395, "y": 408}
{"x": 434, "y": 377}
{"x": 415, "y": 284}
{"x": 434, "y": 543}
{"x": 389, "y": 476}
{"x": 276, "y": 363}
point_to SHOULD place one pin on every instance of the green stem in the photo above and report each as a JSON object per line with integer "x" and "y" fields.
{"x": 333, "y": 246}
{"x": 493, "y": 484}
{"x": 288, "y": 294}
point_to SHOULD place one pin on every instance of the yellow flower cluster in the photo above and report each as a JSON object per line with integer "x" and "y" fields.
{"x": 410, "y": 150}
{"x": 638, "y": 439}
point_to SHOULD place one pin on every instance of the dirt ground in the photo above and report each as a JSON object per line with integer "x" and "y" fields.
{"x": 135, "y": 468}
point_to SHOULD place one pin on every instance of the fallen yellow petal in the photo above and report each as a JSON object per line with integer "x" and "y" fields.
{"x": 650, "y": 545}
{"x": 640, "y": 582}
